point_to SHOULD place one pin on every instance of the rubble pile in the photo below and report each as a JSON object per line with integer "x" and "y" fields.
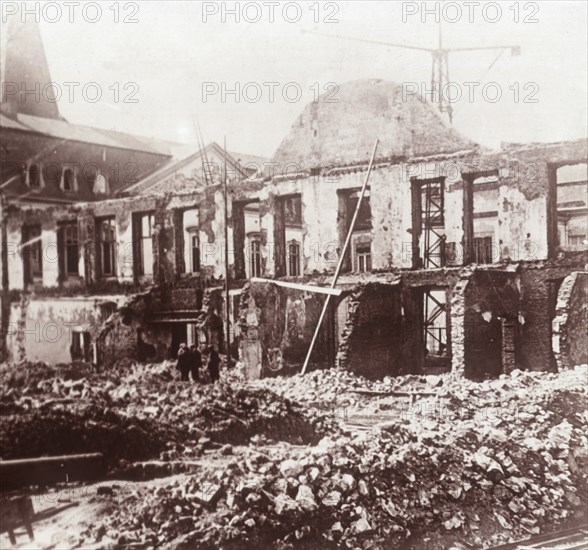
{"x": 142, "y": 413}
{"x": 495, "y": 461}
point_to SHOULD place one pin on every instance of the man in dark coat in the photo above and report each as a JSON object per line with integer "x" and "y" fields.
{"x": 213, "y": 364}
{"x": 195, "y": 363}
{"x": 183, "y": 363}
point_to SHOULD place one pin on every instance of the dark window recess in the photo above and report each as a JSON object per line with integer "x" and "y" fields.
{"x": 483, "y": 250}
{"x": 364, "y": 216}
{"x": 363, "y": 257}
{"x": 195, "y": 249}
{"x": 34, "y": 175}
{"x": 255, "y": 258}
{"x": 294, "y": 259}
{"x": 69, "y": 248}
{"x": 107, "y": 247}
{"x": 107, "y": 309}
{"x": 68, "y": 180}
{"x": 32, "y": 253}
{"x": 80, "y": 346}
{"x": 144, "y": 227}
{"x": 293, "y": 210}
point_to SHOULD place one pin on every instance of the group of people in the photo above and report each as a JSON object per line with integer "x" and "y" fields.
{"x": 189, "y": 362}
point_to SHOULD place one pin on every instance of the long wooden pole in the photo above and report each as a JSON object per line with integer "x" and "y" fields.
{"x": 341, "y": 258}
{"x": 227, "y": 297}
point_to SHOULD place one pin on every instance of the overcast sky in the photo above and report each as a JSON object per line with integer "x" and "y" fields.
{"x": 171, "y": 52}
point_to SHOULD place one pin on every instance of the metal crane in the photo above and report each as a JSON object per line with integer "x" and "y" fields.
{"x": 440, "y": 66}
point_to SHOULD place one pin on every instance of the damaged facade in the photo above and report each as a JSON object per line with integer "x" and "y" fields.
{"x": 461, "y": 259}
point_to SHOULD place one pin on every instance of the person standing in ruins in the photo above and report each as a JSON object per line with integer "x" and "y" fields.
{"x": 213, "y": 364}
{"x": 183, "y": 362}
{"x": 195, "y": 362}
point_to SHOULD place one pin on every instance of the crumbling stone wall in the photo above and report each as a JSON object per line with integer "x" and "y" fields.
{"x": 371, "y": 341}
{"x": 492, "y": 301}
{"x": 570, "y": 326}
{"x": 40, "y": 329}
{"x": 126, "y": 334}
{"x": 458, "y": 338}
{"x": 538, "y": 310}
{"x": 277, "y": 325}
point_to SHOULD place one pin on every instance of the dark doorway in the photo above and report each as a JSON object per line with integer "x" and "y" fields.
{"x": 80, "y": 348}
{"x": 485, "y": 355}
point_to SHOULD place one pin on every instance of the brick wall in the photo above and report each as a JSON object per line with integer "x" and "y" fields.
{"x": 570, "y": 332}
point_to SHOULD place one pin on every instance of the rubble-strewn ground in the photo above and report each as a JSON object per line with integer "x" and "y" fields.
{"x": 328, "y": 460}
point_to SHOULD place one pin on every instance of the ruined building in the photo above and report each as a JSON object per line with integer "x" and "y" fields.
{"x": 461, "y": 259}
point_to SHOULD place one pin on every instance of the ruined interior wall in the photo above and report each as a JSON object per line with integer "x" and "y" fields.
{"x": 490, "y": 296}
{"x": 390, "y": 202}
{"x": 372, "y": 335}
{"x": 570, "y": 326}
{"x": 118, "y": 337}
{"x": 536, "y": 333}
{"x": 390, "y": 205}
{"x": 319, "y": 214}
{"x": 40, "y": 329}
{"x": 279, "y": 323}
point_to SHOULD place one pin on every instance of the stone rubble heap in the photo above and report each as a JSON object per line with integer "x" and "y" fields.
{"x": 140, "y": 414}
{"x": 499, "y": 460}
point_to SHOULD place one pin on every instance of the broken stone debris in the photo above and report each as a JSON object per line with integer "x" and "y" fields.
{"x": 479, "y": 478}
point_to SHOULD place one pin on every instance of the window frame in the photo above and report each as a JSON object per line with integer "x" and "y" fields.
{"x": 294, "y": 244}
{"x": 71, "y": 244}
{"x": 111, "y": 243}
{"x": 150, "y": 216}
{"x": 254, "y": 258}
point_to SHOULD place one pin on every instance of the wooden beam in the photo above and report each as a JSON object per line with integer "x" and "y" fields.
{"x": 298, "y": 286}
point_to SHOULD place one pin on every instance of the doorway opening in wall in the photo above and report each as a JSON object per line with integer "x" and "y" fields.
{"x": 32, "y": 253}
{"x": 436, "y": 347}
{"x": 81, "y": 345}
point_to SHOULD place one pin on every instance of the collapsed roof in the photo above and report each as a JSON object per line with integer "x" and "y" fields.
{"x": 341, "y": 126}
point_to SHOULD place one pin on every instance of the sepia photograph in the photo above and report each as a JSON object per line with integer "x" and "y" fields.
{"x": 294, "y": 275}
